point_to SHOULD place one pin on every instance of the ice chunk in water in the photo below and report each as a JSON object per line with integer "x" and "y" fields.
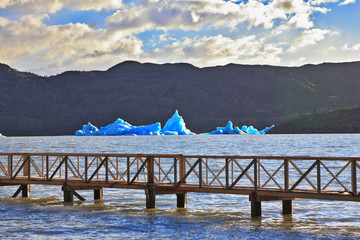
{"x": 87, "y": 130}
{"x": 175, "y": 126}
{"x": 119, "y": 127}
{"x": 229, "y": 129}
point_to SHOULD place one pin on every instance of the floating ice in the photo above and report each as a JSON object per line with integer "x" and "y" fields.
{"x": 252, "y": 130}
{"x": 265, "y": 130}
{"x": 175, "y": 126}
{"x": 244, "y": 129}
{"x": 1, "y": 135}
{"x": 119, "y": 127}
{"x": 227, "y": 130}
{"x": 87, "y": 130}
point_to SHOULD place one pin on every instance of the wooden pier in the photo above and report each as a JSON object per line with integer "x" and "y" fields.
{"x": 262, "y": 178}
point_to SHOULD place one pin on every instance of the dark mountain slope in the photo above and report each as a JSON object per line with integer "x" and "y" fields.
{"x": 340, "y": 121}
{"x": 147, "y": 93}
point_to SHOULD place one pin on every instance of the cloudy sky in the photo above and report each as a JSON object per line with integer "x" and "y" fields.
{"x": 51, "y": 36}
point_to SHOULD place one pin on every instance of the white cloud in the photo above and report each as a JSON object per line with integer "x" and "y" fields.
{"x": 346, "y": 2}
{"x": 355, "y": 47}
{"x": 218, "y": 50}
{"x": 309, "y": 38}
{"x": 195, "y": 14}
{"x": 71, "y": 46}
{"x": 318, "y": 2}
{"x": 302, "y": 59}
{"x": 52, "y": 6}
{"x": 253, "y": 31}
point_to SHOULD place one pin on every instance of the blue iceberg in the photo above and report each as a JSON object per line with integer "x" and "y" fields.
{"x": 1, "y": 135}
{"x": 87, "y": 130}
{"x": 252, "y": 130}
{"x": 119, "y": 127}
{"x": 265, "y": 130}
{"x": 175, "y": 126}
{"x": 229, "y": 129}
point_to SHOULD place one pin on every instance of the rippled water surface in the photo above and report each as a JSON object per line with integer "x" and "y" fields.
{"x": 122, "y": 214}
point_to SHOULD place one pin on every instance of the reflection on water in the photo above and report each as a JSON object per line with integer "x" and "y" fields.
{"x": 122, "y": 213}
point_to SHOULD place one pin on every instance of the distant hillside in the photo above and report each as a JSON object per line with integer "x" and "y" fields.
{"x": 341, "y": 121}
{"x": 147, "y": 93}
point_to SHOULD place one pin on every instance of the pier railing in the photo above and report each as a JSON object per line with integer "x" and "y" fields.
{"x": 294, "y": 176}
{"x": 263, "y": 178}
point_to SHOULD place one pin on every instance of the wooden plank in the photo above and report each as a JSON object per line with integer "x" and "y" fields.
{"x": 286, "y": 175}
{"x": 256, "y": 176}
{"x": 10, "y": 165}
{"x": 227, "y": 173}
{"x": 318, "y": 176}
{"x": 353, "y": 178}
{"x": 150, "y": 169}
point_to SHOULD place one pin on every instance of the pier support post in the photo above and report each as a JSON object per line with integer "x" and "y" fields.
{"x": 287, "y": 207}
{"x": 255, "y": 206}
{"x": 68, "y": 194}
{"x": 98, "y": 194}
{"x": 150, "y": 197}
{"x": 150, "y": 187}
{"x": 181, "y": 200}
{"x": 25, "y": 190}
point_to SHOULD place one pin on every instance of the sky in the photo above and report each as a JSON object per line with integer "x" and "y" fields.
{"x": 49, "y": 37}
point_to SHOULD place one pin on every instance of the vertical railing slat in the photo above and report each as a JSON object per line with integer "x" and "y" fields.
{"x": 47, "y": 167}
{"x": 10, "y": 165}
{"x": 286, "y": 175}
{"x": 318, "y": 177}
{"x": 353, "y": 177}
{"x": 128, "y": 169}
{"x": 86, "y": 168}
{"x": 175, "y": 170}
{"x": 200, "y": 172}
{"x": 255, "y": 174}
{"x": 227, "y": 173}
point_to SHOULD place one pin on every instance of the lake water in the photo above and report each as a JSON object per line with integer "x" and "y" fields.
{"x": 122, "y": 213}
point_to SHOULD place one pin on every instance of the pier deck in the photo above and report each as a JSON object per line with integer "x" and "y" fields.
{"x": 262, "y": 178}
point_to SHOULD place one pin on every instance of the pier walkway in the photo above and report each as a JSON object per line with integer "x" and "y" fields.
{"x": 262, "y": 178}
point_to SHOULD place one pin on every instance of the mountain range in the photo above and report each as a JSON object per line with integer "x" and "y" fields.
{"x": 145, "y": 93}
